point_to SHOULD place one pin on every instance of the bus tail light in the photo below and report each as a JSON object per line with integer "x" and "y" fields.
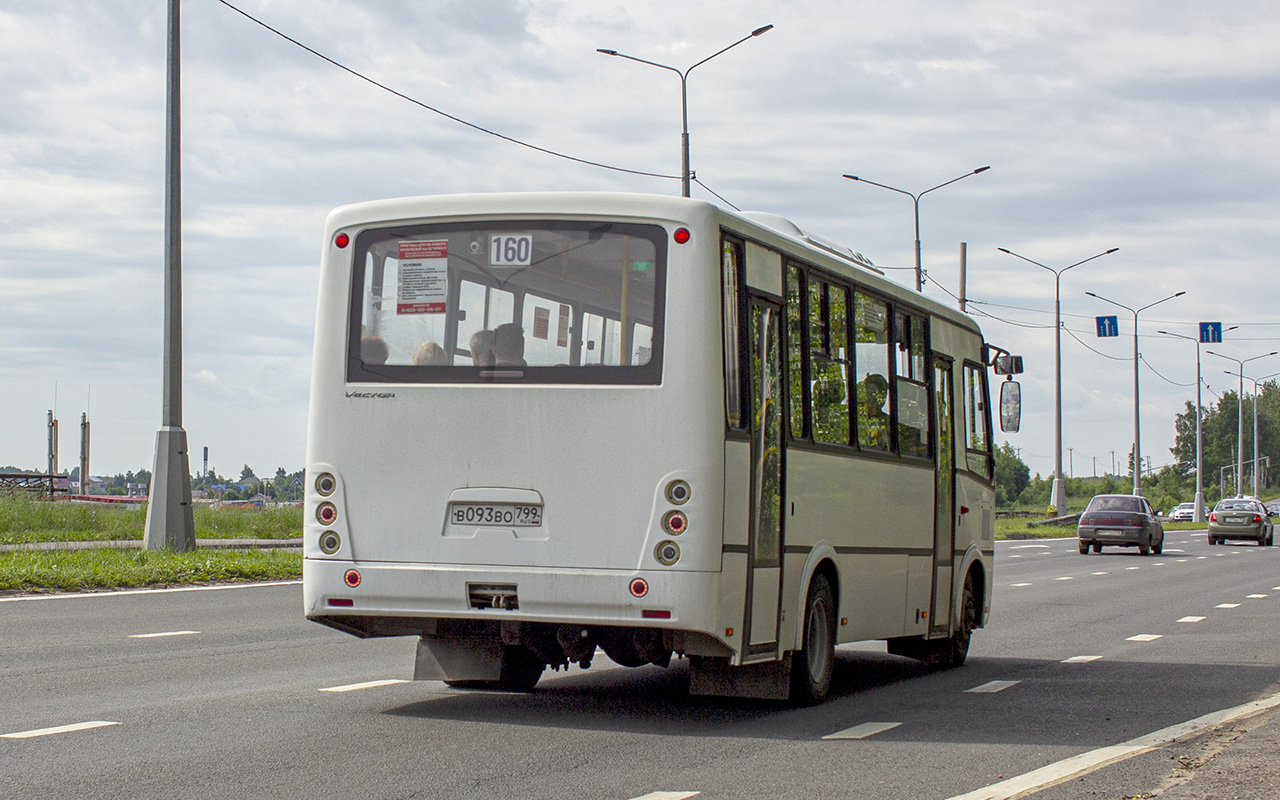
{"x": 327, "y": 513}
{"x": 682, "y": 236}
{"x": 330, "y": 542}
{"x": 639, "y": 587}
{"x": 678, "y": 493}
{"x": 653, "y": 613}
{"x": 675, "y": 522}
{"x": 667, "y": 553}
{"x": 352, "y": 578}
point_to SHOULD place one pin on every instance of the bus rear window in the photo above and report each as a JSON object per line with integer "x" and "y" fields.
{"x": 508, "y": 301}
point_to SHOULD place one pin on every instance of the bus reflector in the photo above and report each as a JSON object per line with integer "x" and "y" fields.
{"x": 352, "y": 578}
{"x": 342, "y": 602}
{"x": 681, "y": 235}
{"x": 639, "y": 587}
{"x": 342, "y": 240}
{"x": 653, "y": 613}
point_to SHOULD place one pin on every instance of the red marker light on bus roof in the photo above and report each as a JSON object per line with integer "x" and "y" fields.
{"x": 342, "y": 240}
{"x": 681, "y": 235}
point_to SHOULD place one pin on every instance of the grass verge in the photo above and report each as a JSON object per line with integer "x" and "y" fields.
{"x": 106, "y": 568}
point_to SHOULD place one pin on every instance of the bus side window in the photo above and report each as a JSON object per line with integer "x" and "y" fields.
{"x": 828, "y": 367}
{"x": 977, "y": 422}
{"x": 731, "y": 266}
{"x": 795, "y": 350}
{"x": 871, "y": 357}
{"x": 912, "y": 391}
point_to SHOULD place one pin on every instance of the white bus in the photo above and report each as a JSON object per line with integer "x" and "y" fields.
{"x": 543, "y": 424}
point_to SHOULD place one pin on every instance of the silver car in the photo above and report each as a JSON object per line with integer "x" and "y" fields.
{"x": 1183, "y": 512}
{"x": 1241, "y": 518}
{"x": 1124, "y": 520}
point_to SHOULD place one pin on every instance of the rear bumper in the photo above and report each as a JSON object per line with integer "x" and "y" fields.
{"x": 1237, "y": 532}
{"x": 394, "y": 599}
{"x": 1128, "y": 537}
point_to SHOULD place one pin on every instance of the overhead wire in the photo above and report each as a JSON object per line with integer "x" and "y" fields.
{"x": 444, "y": 114}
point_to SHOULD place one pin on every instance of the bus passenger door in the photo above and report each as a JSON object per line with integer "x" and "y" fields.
{"x": 764, "y": 574}
{"x": 944, "y": 515}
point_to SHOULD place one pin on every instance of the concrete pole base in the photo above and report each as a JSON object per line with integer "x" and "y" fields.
{"x": 169, "y": 522}
{"x": 1198, "y": 514}
{"x": 1058, "y": 496}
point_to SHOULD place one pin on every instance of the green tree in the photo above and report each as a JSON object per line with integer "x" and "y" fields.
{"x": 1012, "y": 475}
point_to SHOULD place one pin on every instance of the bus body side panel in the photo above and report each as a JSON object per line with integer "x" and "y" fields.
{"x": 851, "y": 502}
{"x": 732, "y": 597}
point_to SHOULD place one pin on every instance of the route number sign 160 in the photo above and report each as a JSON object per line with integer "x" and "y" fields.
{"x": 511, "y": 250}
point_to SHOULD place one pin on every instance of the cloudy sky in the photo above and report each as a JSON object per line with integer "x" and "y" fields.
{"x": 1150, "y": 126}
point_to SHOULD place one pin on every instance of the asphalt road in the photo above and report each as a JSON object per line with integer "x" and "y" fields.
{"x": 230, "y": 692}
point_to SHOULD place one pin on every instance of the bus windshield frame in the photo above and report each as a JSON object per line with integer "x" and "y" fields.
{"x": 541, "y": 301}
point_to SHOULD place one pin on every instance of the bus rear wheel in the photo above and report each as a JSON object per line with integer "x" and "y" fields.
{"x": 957, "y": 647}
{"x": 813, "y": 664}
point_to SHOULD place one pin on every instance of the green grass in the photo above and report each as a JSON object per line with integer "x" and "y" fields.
{"x": 107, "y": 568}
{"x": 24, "y": 520}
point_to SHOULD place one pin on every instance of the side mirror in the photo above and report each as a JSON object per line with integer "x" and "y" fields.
{"x": 1008, "y": 365}
{"x": 1010, "y": 406}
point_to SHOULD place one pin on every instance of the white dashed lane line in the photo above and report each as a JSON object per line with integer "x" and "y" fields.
{"x": 1193, "y": 619}
{"x": 1080, "y": 659}
{"x": 863, "y": 731}
{"x": 78, "y": 726}
{"x": 1144, "y": 637}
{"x": 667, "y": 796}
{"x": 161, "y": 635}
{"x": 355, "y": 687}
{"x": 1227, "y": 605}
{"x": 992, "y": 687}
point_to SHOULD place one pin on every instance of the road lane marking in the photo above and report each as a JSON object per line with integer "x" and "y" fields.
{"x": 1227, "y": 605}
{"x": 1133, "y": 567}
{"x": 1061, "y": 771}
{"x": 1064, "y": 578}
{"x": 1193, "y": 619}
{"x": 1080, "y": 659}
{"x": 355, "y": 687}
{"x": 993, "y": 687}
{"x": 1097, "y": 573}
{"x": 132, "y": 592}
{"x": 79, "y": 726}
{"x": 667, "y": 796}
{"x": 1144, "y": 637}
{"x": 1029, "y": 547}
{"x": 863, "y": 731}
{"x": 1019, "y": 584}
{"x": 1256, "y": 596}
{"x": 160, "y": 635}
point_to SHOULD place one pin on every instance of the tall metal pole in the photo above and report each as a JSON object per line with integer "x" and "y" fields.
{"x": 1137, "y": 417}
{"x": 169, "y": 522}
{"x": 964, "y": 269}
{"x": 1240, "y": 417}
{"x": 686, "y": 175}
{"x": 915, "y": 200}
{"x": 1058, "y": 494}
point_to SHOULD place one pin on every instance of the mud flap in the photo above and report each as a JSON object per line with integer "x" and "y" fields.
{"x": 458, "y": 660}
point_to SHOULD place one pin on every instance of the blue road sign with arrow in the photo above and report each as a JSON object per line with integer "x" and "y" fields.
{"x": 1210, "y": 332}
{"x": 1108, "y": 326}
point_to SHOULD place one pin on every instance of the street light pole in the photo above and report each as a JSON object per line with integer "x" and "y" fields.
{"x": 686, "y": 175}
{"x": 1059, "y": 492}
{"x": 1198, "y": 514}
{"x": 1240, "y": 421}
{"x": 1257, "y": 382}
{"x": 915, "y": 199}
{"x": 1137, "y": 426}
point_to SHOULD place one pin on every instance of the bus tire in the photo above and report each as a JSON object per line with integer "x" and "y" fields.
{"x": 521, "y": 669}
{"x": 813, "y": 664}
{"x": 957, "y": 647}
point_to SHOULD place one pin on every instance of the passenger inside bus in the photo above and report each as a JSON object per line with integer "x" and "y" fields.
{"x": 481, "y": 345}
{"x": 430, "y": 354}
{"x": 373, "y": 350}
{"x": 508, "y": 345}
{"x": 873, "y": 428}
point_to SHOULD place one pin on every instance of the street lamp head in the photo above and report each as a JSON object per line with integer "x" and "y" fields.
{"x": 1112, "y": 250}
{"x": 759, "y": 31}
{"x": 981, "y": 169}
{"x": 607, "y": 52}
{"x": 852, "y": 177}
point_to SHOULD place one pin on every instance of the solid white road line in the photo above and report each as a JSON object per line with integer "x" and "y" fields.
{"x": 1094, "y": 759}
{"x": 159, "y": 635}
{"x": 863, "y": 731}
{"x": 355, "y": 687}
{"x": 993, "y": 687}
{"x": 79, "y": 726}
{"x": 131, "y": 592}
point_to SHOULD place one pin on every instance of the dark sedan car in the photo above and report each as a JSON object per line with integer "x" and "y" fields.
{"x": 1240, "y": 518}
{"x": 1123, "y": 520}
